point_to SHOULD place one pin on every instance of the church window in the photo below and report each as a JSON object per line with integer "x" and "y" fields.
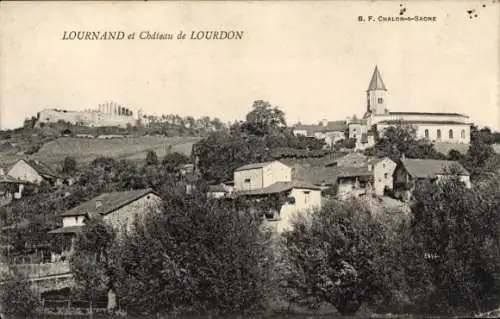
{"x": 463, "y": 134}
{"x": 380, "y": 100}
{"x": 426, "y": 133}
{"x": 450, "y": 134}
{"x": 438, "y": 133}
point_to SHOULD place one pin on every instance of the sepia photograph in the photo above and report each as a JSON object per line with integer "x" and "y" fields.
{"x": 250, "y": 159}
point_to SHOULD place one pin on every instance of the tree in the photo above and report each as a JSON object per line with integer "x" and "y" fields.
{"x": 17, "y": 299}
{"x": 173, "y": 160}
{"x": 151, "y": 158}
{"x": 264, "y": 119}
{"x": 333, "y": 255}
{"x": 194, "y": 256}
{"x": 91, "y": 263}
{"x": 455, "y": 231}
{"x": 401, "y": 139}
{"x": 69, "y": 165}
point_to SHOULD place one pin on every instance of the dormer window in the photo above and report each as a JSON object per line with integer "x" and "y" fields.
{"x": 380, "y": 100}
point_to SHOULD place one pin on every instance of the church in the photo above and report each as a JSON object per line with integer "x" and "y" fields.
{"x": 446, "y": 130}
{"x": 452, "y": 128}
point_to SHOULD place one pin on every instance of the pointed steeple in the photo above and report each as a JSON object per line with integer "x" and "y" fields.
{"x": 376, "y": 82}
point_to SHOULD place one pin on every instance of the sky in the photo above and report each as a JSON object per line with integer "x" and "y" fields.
{"x": 313, "y": 60}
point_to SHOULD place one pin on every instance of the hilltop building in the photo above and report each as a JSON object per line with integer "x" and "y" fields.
{"x": 107, "y": 114}
{"x": 435, "y": 127}
{"x": 438, "y": 128}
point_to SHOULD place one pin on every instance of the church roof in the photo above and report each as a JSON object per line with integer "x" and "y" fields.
{"x": 428, "y": 113}
{"x": 424, "y": 121}
{"x": 376, "y": 82}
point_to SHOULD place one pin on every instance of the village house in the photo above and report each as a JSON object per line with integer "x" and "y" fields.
{"x": 261, "y": 175}
{"x": 10, "y": 188}
{"x": 410, "y": 171}
{"x": 352, "y": 175}
{"x": 271, "y": 182}
{"x": 118, "y": 209}
{"x": 330, "y": 131}
{"x": 34, "y": 172}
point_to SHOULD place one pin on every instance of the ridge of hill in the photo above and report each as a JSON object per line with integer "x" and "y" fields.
{"x": 85, "y": 150}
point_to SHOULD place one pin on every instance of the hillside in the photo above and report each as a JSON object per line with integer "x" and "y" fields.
{"x": 85, "y": 150}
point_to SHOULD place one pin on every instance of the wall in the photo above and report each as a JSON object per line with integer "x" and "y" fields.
{"x": 419, "y": 117}
{"x": 373, "y": 105}
{"x": 432, "y": 128}
{"x": 276, "y": 172}
{"x": 87, "y": 118}
{"x": 69, "y": 221}
{"x": 255, "y": 176}
{"x": 125, "y": 216}
{"x": 303, "y": 204}
{"x": 22, "y": 170}
{"x": 383, "y": 175}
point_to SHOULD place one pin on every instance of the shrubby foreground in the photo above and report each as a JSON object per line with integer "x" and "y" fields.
{"x": 198, "y": 256}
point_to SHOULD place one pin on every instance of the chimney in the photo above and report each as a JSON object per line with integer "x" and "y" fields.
{"x": 324, "y": 122}
{"x": 98, "y": 203}
{"x": 2, "y": 173}
{"x": 403, "y": 157}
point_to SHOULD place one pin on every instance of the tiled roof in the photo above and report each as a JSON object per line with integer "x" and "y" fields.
{"x": 427, "y": 168}
{"x": 278, "y": 187}
{"x": 376, "y": 82}
{"x": 351, "y": 159}
{"x": 67, "y": 230}
{"x": 330, "y": 175}
{"x": 392, "y": 122}
{"x": 41, "y": 168}
{"x": 317, "y": 175}
{"x": 252, "y": 166}
{"x": 331, "y": 126}
{"x": 109, "y": 202}
{"x": 428, "y": 113}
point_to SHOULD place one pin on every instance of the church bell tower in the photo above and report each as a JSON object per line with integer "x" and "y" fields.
{"x": 376, "y": 94}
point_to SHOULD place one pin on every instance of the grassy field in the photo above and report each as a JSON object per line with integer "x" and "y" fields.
{"x": 85, "y": 150}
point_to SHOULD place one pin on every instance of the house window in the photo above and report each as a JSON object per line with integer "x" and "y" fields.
{"x": 307, "y": 197}
{"x": 426, "y": 132}
{"x": 247, "y": 180}
{"x": 438, "y": 133}
{"x": 386, "y": 176}
{"x": 463, "y": 133}
{"x": 450, "y": 134}
{"x": 380, "y": 100}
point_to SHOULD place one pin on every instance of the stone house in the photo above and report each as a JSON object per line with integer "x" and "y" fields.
{"x": 270, "y": 182}
{"x": 410, "y": 171}
{"x": 34, "y": 172}
{"x": 291, "y": 198}
{"x": 118, "y": 209}
{"x": 261, "y": 175}
{"x": 330, "y": 131}
{"x": 352, "y": 175}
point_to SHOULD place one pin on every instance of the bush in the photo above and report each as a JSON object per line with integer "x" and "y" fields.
{"x": 194, "y": 256}
{"x": 17, "y": 298}
{"x": 336, "y": 256}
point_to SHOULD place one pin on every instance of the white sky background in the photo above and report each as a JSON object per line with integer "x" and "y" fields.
{"x": 312, "y": 59}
